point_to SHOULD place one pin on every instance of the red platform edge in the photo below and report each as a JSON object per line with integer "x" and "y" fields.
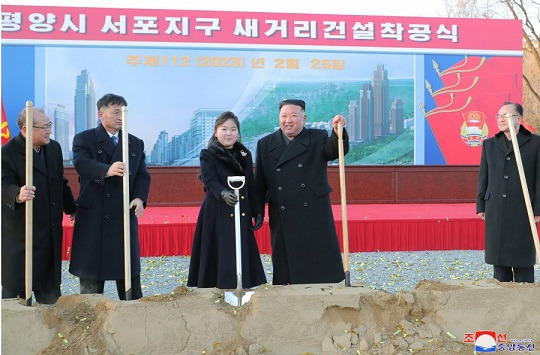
{"x": 168, "y": 231}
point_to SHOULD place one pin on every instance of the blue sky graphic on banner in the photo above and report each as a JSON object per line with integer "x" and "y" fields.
{"x": 174, "y": 96}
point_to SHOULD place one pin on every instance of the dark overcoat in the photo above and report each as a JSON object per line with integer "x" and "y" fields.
{"x": 213, "y": 257}
{"x": 52, "y": 197}
{"x": 508, "y": 237}
{"x": 98, "y": 235}
{"x": 294, "y": 181}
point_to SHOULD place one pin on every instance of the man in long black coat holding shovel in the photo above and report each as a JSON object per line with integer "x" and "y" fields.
{"x": 98, "y": 242}
{"x": 51, "y": 197}
{"x": 500, "y": 202}
{"x": 291, "y": 174}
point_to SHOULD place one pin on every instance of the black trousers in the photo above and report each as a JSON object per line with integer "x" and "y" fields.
{"x": 42, "y": 296}
{"x": 97, "y": 286}
{"x": 516, "y": 274}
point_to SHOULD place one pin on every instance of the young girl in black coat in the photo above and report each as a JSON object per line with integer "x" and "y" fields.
{"x": 213, "y": 257}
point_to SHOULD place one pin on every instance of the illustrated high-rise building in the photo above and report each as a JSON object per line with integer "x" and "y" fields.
{"x": 365, "y": 112}
{"x": 202, "y": 127}
{"x": 353, "y": 121}
{"x": 160, "y": 151}
{"x": 184, "y": 149}
{"x": 61, "y": 129}
{"x": 381, "y": 104}
{"x": 397, "y": 116}
{"x": 85, "y": 102}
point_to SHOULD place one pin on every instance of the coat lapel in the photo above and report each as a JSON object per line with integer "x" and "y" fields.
{"x": 501, "y": 143}
{"x": 298, "y": 146}
{"x": 117, "y": 155}
{"x": 277, "y": 146}
{"x": 522, "y": 136}
{"x": 36, "y": 162}
{"x": 105, "y": 142}
{"x": 51, "y": 160}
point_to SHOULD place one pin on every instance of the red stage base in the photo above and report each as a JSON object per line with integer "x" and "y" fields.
{"x": 165, "y": 231}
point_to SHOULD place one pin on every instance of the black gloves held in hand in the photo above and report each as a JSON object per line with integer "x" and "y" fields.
{"x": 258, "y": 222}
{"x": 228, "y": 197}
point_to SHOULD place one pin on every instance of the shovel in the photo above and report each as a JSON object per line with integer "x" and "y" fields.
{"x": 344, "y": 220}
{"x": 237, "y": 297}
{"x": 29, "y": 205}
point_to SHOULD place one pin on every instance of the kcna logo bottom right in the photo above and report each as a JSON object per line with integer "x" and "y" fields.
{"x": 488, "y": 341}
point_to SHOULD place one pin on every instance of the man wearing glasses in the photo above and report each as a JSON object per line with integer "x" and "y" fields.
{"x": 508, "y": 238}
{"x": 291, "y": 173}
{"x": 51, "y": 195}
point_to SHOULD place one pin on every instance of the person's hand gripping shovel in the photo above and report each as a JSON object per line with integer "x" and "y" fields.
{"x": 237, "y": 297}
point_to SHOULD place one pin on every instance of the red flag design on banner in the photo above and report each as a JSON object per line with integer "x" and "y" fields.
{"x": 472, "y": 92}
{"x": 5, "y": 128}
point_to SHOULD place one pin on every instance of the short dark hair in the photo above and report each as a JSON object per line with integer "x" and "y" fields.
{"x": 222, "y": 118}
{"x": 517, "y": 106}
{"x": 295, "y": 102}
{"x": 111, "y": 99}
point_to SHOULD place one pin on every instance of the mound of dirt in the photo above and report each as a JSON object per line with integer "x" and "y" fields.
{"x": 300, "y": 319}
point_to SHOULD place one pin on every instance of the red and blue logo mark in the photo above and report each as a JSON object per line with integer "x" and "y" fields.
{"x": 485, "y": 341}
{"x": 488, "y": 341}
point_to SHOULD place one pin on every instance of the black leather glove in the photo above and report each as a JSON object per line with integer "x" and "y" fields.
{"x": 258, "y": 222}
{"x": 228, "y": 197}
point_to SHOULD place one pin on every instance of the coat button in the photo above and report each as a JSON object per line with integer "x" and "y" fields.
{"x": 232, "y": 215}
{"x": 300, "y": 165}
{"x": 106, "y": 216}
{"x": 280, "y": 188}
{"x": 133, "y": 154}
{"x": 507, "y": 158}
{"x": 242, "y": 197}
{"x": 107, "y": 195}
{"x": 53, "y": 203}
{"x": 305, "y": 204}
{"x": 506, "y": 176}
{"x": 243, "y": 214}
{"x": 302, "y": 185}
{"x": 504, "y": 196}
{"x": 278, "y": 169}
{"x": 53, "y": 224}
{"x": 282, "y": 208}
{"x": 99, "y": 151}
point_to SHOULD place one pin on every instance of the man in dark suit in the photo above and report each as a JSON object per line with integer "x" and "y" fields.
{"x": 98, "y": 236}
{"x": 51, "y": 196}
{"x": 291, "y": 174}
{"x": 500, "y": 202}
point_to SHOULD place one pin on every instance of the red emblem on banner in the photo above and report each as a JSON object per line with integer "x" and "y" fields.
{"x": 474, "y": 129}
{"x": 5, "y": 128}
{"x": 470, "y": 95}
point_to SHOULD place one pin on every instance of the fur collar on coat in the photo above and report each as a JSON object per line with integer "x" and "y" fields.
{"x": 236, "y": 158}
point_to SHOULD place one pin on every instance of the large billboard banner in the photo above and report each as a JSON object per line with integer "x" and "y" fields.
{"x": 414, "y": 90}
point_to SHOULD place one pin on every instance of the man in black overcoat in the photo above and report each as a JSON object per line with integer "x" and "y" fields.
{"x": 500, "y": 202}
{"x": 291, "y": 174}
{"x": 98, "y": 236}
{"x": 51, "y": 197}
